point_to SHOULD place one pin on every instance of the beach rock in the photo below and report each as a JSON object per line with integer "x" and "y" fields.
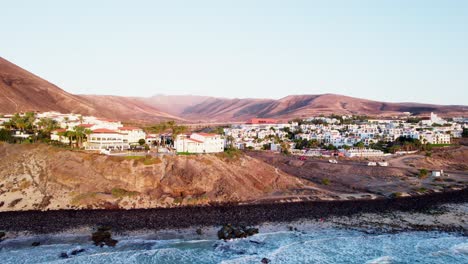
{"x": 103, "y": 237}
{"x": 199, "y": 231}
{"x": 2, "y": 235}
{"x": 265, "y": 261}
{"x": 77, "y": 251}
{"x": 63, "y": 255}
{"x": 36, "y": 244}
{"x": 230, "y": 232}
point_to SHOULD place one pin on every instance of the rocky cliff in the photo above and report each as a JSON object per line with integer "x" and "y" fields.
{"x": 45, "y": 177}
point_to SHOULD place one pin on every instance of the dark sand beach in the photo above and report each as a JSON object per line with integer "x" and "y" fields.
{"x": 41, "y": 222}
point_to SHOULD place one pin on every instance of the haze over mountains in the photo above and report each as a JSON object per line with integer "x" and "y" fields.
{"x": 22, "y": 91}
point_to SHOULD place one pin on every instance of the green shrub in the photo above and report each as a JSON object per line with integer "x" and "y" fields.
{"x": 326, "y": 181}
{"x": 422, "y": 173}
{"x": 120, "y": 193}
{"x": 421, "y": 189}
{"x": 396, "y": 194}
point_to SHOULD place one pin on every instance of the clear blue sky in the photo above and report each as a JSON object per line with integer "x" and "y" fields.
{"x": 385, "y": 50}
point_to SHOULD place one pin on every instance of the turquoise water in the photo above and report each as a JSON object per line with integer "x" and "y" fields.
{"x": 326, "y": 245}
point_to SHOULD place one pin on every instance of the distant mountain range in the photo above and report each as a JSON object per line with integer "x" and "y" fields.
{"x": 22, "y": 91}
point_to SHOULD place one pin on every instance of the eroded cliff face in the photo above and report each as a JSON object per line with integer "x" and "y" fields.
{"x": 44, "y": 177}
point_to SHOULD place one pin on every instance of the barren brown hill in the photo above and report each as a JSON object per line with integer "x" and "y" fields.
{"x": 22, "y": 91}
{"x": 223, "y": 109}
{"x": 174, "y": 104}
{"x": 126, "y": 108}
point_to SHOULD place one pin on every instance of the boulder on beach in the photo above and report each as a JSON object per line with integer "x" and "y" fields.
{"x": 103, "y": 237}
{"x": 2, "y": 235}
{"x": 77, "y": 251}
{"x": 230, "y": 232}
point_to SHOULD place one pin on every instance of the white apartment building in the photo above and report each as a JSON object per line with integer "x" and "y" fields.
{"x": 435, "y": 138}
{"x": 104, "y": 138}
{"x": 363, "y": 153}
{"x": 132, "y": 134}
{"x": 199, "y": 143}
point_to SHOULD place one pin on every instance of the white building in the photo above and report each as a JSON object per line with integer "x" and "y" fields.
{"x": 132, "y": 134}
{"x": 56, "y": 135}
{"x": 435, "y": 138}
{"x": 199, "y": 143}
{"x": 363, "y": 153}
{"x": 434, "y": 119}
{"x": 104, "y": 138}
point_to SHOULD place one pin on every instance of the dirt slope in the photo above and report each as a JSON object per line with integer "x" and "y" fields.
{"x": 43, "y": 177}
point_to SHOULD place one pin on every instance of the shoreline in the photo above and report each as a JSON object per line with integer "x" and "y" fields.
{"x": 46, "y": 222}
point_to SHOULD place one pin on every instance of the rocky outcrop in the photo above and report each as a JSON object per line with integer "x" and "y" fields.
{"x": 103, "y": 237}
{"x": 42, "y": 177}
{"x": 230, "y": 232}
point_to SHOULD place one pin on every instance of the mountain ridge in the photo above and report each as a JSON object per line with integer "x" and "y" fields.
{"x": 22, "y": 91}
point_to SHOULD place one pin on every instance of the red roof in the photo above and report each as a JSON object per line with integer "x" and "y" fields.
{"x": 206, "y": 134}
{"x": 262, "y": 121}
{"x": 105, "y": 130}
{"x": 59, "y": 130}
{"x": 129, "y": 128}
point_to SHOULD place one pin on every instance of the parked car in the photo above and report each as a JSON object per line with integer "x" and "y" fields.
{"x": 333, "y": 161}
{"x": 371, "y": 164}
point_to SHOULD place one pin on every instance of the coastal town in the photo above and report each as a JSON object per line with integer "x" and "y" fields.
{"x": 327, "y": 136}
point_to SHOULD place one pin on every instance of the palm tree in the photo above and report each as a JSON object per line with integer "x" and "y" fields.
{"x": 158, "y": 129}
{"x": 62, "y": 134}
{"x": 79, "y": 134}
{"x": 47, "y": 125}
{"x": 88, "y": 132}
{"x": 66, "y": 119}
{"x": 230, "y": 139}
{"x": 70, "y": 135}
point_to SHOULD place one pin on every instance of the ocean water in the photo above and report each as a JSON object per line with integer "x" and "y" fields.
{"x": 319, "y": 245}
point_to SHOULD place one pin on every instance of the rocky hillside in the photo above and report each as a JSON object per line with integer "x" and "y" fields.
{"x": 224, "y": 109}
{"x": 44, "y": 177}
{"x": 22, "y": 91}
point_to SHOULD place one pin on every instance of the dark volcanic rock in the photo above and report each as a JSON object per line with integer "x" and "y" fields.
{"x": 2, "y": 235}
{"x": 103, "y": 237}
{"x": 229, "y": 232}
{"x": 265, "y": 261}
{"x": 63, "y": 255}
{"x": 36, "y": 244}
{"x": 77, "y": 251}
{"x": 187, "y": 217}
